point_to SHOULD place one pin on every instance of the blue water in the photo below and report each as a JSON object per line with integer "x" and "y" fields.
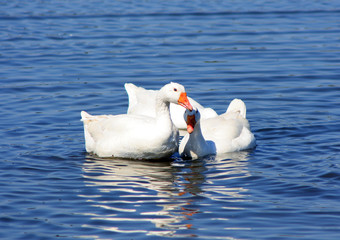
{"x": 60, "y": 57}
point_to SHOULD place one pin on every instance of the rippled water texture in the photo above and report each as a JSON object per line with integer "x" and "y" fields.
{"x": 60, "y": 57}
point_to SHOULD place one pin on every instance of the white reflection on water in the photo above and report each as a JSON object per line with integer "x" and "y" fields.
{"x": 228, "y": 167}
{"x": 166, "y": 194}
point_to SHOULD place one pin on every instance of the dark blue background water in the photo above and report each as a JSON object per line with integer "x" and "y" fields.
{"x": 60, "y": 57}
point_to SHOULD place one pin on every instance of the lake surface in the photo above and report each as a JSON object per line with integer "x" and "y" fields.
{"x": 282, "y": 58}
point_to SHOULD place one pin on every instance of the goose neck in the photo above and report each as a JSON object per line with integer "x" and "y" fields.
{"x": 162, "y": 109}
{"x": 197, "y": 133}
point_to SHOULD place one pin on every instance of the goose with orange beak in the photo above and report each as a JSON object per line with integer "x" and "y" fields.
{"x": 228, "y": 132}
{"x": 143, "y": 101}
{"x": 136, "y": 136}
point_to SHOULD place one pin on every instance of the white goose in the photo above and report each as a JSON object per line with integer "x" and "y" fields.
{"x": 143, "y": 102}
{"x": 136, "y": 136}
{"x": 228, "y": 132}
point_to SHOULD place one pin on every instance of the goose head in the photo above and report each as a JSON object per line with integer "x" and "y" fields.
{"x": 175, "y": 93}
{"x": 191, "y": 118}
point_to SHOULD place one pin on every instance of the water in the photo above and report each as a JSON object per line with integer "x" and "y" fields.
{"x": 60, "y": 57}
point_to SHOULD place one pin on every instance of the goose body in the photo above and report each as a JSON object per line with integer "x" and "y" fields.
{"x": 142, "y": 105}
{"x": 228, "y": 132}
{"x": 136, "y": 136}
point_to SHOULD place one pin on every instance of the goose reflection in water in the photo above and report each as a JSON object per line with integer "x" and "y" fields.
{"x": 167, "y": 194}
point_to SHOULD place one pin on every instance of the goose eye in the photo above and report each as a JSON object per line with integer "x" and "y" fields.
{"x": 175, "y": 89}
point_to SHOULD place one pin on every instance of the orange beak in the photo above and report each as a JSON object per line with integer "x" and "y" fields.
{"x": 191, "y": 122}
{"x": 184, "y": 101}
